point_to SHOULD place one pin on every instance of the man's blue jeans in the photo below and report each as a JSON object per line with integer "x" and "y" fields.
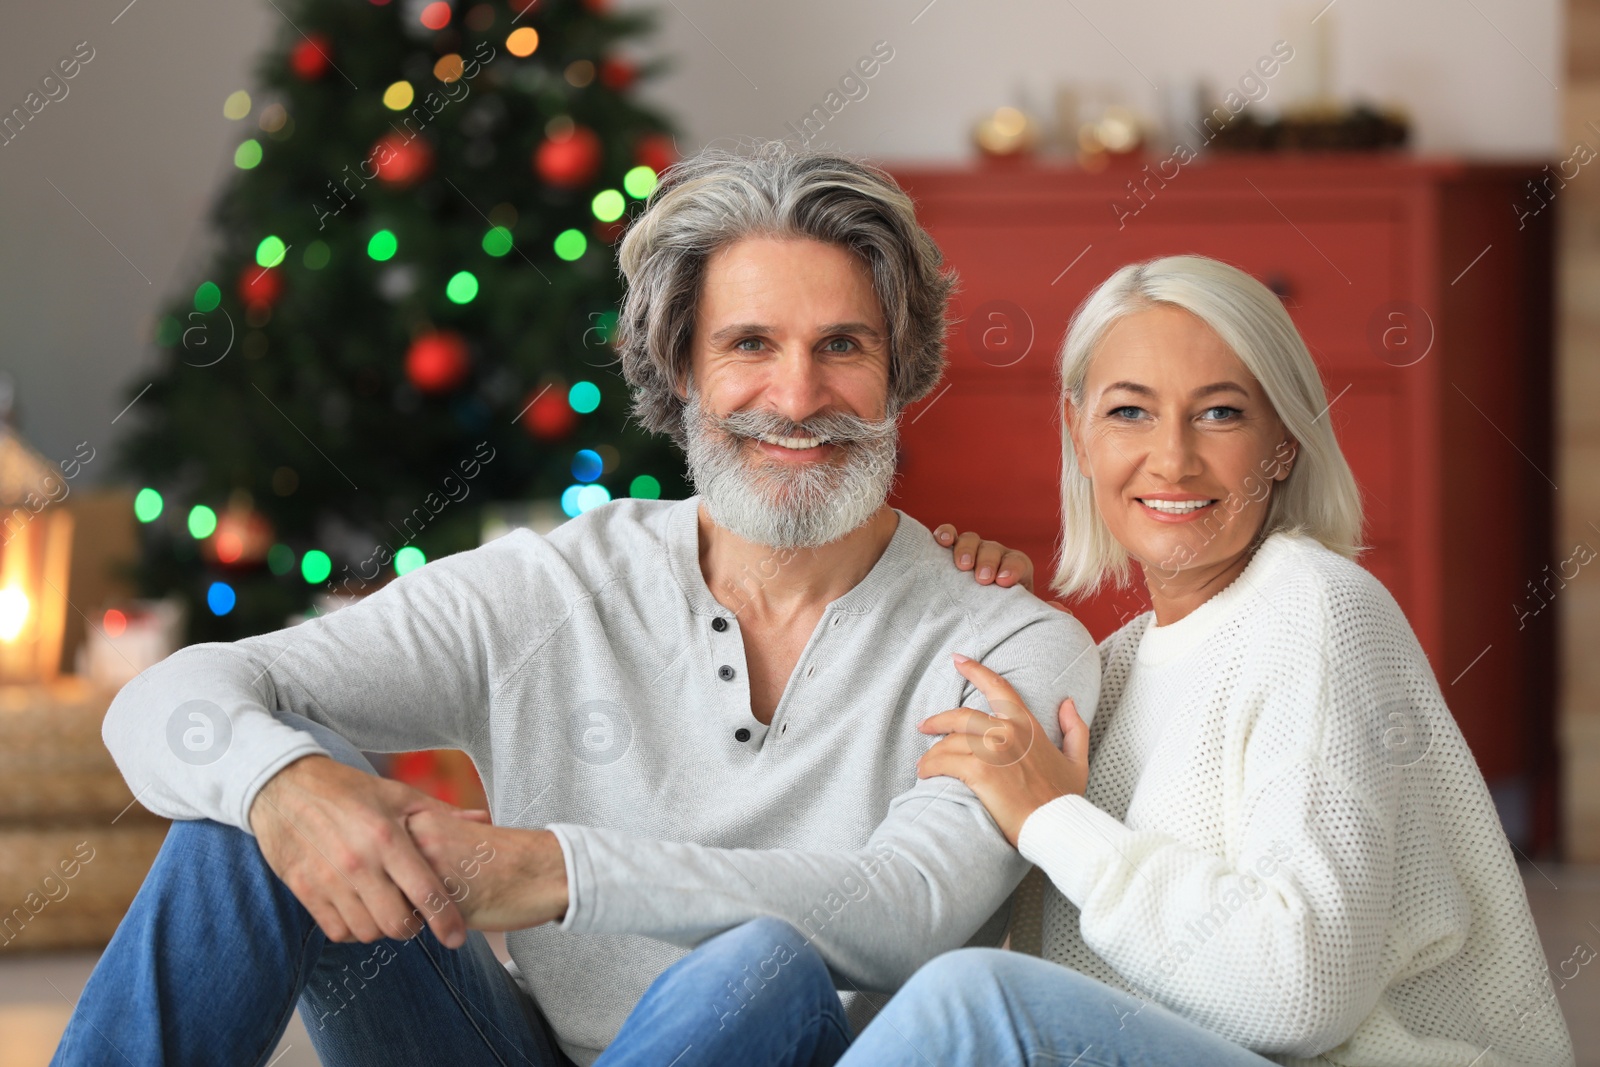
{"x": 215, "y": 952}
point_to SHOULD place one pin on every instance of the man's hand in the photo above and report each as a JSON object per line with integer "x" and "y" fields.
{"x": 501, "y": 878}
{"x": 337, "y": 838}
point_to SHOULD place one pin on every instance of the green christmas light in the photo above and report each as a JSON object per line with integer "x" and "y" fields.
{"x": 640, "y": 182}
{"x": 202, "y": 522}
{"x": 247, "y": 155}
{"x": 462, "y": 287}
{"x": 497, "y": 242}
{"x": 608, "y": 205}
{"x": 383, "y": 245}
{"x": 280, "y": 559}
{"x": 147, "y": 505}
{"x": 584, "y": 397}
{"x": 207, "y": 296}
{"x": 408, "y": 559}
{"x": 645, "y": 488}
{"x": 317, "y": 255}
{"x": 269, "y": 253}
{"x": 315, "y": 566}
{"x": 571, "y": 244}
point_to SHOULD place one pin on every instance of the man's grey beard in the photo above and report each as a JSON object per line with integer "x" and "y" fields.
{"x": 788, "y": 505}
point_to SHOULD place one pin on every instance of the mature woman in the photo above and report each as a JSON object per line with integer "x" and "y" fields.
{"x": 1283, "y": 847}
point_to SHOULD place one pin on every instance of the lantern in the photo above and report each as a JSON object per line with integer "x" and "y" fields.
{"x": 35, "y": 559}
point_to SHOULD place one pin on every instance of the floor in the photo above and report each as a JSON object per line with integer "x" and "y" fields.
{"x": 37, "y": 992}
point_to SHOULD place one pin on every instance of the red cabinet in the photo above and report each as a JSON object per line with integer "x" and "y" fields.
{"x": 1428, "y": 311}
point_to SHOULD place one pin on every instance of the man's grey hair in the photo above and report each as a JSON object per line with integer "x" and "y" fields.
{"x": 718, "y": 197}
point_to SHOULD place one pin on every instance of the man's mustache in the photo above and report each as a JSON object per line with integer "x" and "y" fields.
{"x": 836, "y": 426}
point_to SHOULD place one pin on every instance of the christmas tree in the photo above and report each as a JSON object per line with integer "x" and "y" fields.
{"x": 408, "y": 312}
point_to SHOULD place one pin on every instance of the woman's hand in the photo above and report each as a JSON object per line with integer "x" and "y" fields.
{"x": 995, "y": 562}
{"x": 996, "y": 756}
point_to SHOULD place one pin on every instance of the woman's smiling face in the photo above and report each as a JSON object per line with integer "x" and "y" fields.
{"x": 1182, "y": 448}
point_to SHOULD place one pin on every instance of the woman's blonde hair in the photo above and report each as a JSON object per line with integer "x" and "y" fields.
{"x": 1318, "y": 497}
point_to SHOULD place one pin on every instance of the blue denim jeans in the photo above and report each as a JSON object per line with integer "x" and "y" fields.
{"x": 215, "y": 952}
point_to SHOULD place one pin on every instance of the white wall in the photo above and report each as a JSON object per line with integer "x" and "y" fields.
{"x": 140, "y": 143}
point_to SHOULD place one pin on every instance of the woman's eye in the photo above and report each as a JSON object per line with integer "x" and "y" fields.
{"x": 1126, "y": 412}
{"x": 1226, "y": 413}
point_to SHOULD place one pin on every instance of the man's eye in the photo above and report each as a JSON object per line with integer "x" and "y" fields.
{"x": 840, "y": 344}
{"x": 754, "y": 342}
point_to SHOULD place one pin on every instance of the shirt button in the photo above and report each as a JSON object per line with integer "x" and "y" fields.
{"x": 741, "y": 734}
{"x": 725, "y": 672}
{"x": 719, "y": 624}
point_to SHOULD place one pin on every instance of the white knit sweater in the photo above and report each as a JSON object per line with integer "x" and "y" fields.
{"x": 1286, "y": 840}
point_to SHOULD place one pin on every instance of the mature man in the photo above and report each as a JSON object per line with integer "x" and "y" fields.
{"x": 687, "y": 714}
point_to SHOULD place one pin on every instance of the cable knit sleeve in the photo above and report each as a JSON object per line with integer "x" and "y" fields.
{"x": 1280, "y": 938}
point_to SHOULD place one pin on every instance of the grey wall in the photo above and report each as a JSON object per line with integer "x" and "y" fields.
{"x": 140, "y": 142}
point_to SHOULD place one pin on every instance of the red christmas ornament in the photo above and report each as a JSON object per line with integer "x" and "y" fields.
{"x": 569, "y": 161}
{"x": 550, "y": 417}
{"x": 656, "y": 151}
{"x": 260, "y": 286}
{"x": 309, "y": 59}
{"x": 400, "y": 161}
{"x": 437, "y": 361}
{"x": 617, "y": 73}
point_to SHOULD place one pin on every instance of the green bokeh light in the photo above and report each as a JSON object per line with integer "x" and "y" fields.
{"x": 645, "y": 487}
{"x": 207, "y": 296}
{"x": 269, "y": 253}
{"x": 247, "y": 155}
{"x": 315, "y": 566}
{"x": 497, "y": 242}
{"x": 461, "y": 287}
{"x": 640, "y": 182}
{"x": 383, "y": 245}
{"x": 202, "y": 522}
{"x": 317, "y": 255}
{"x": 571, "y": 244}
{"x": 147, "y": 505}
{"x": 608, "y": 205}
{"x": 280, "y": 559}
{"x": 408, "y": 559}
{"x": 584, "y": 397}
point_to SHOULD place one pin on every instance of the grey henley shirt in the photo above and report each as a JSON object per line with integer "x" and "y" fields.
{"x": 601, "y": 691}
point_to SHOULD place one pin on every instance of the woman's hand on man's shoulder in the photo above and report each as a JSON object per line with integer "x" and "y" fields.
{"x": 991, "y": 562}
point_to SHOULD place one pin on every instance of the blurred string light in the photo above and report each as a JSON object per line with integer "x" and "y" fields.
{"x": 584, "y": 397}
{"x": 497, "y": 242}
{"x": 147, "y": 505}
{"x": 398, "y": 96}
{"x": 317, "y": 255}
{"x": 207, "y": 296}
{"x": 436, "y": 16}
{"x": 571, "y": 244}
{"x": 576, "y": 499}
{"x": 462, "y": 287}
{"x": 640, "y": 182}
{"x": 408, "y": 559}
{"x": 237, "y": 106}
{"x": 449, "y": 68}
{"x": 221, "y": 598}
{"x": 269, "y": 253}
{"x": 645, "y": 487}
{"x": 383, "y": 245}
{"x": 280, "y": 559}
{"x": 608, "y": 205}
{"x": 315, "y": 566}
{"x": 587, "y": 466}
{"x": 247, "y": 155}
{"x": 523, "y": 41}
{"x": 202, "y": 522}
{"x": 113, "y": 622}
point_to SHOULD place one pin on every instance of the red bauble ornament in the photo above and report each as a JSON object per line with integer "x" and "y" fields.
{"x": 656, "y": 151}
{"x": 617, "y": 73}
{"x": 309, "y": 59}
{"x": 569, "y": 161}
{"x": 550, "y": 417}
{"x": 400, "y": 161}
{"x": 437, "y": 361}
{"x": 260, "y": 286}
